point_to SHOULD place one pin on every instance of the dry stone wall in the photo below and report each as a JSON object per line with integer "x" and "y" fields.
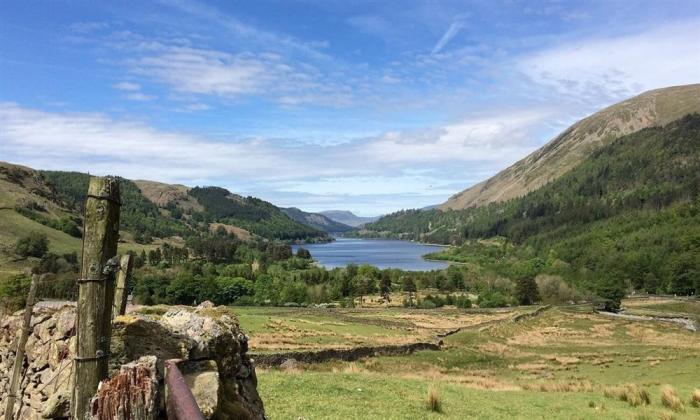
{"x": 207, "y": 339}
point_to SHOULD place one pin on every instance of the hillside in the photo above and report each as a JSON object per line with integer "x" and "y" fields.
{"x": 653, "y": 108}
{"x": 629, "y": 212}
{"x": 316, "y": 220}
{"x": 347, "y": 217}
{"x": 50, "y": 202}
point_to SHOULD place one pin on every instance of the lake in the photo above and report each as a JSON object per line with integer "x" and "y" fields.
{"x": 382, "y": 253}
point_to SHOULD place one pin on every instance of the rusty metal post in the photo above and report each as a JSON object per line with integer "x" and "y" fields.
{"x": 19, "y": 353}
{"x": 179, "y": 401}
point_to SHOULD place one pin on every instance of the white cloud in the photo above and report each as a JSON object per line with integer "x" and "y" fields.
{"x": 127, "y": 86}
{"x": 393, "y": 164}
{"x": 497, "y": 139}
{"x": 140, "y": 96}
{"x": 621, "y": 66}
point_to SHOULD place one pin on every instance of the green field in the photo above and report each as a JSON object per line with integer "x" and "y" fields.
{"x": 557, "y": 365}
{"x": 272, "y": 329}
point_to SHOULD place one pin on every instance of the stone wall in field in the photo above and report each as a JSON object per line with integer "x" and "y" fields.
{"x": 208, "y": 340}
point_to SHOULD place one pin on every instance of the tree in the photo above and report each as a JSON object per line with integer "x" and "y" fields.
{"x": 409, "y": 286}
{"x": 385, "y": 286}
{"x": 304, "y": 253}
{"x": 229, "y": 289}
{"x": 611, "y": 290}
{"x": 526, "y": 291}
{"x": 35, "y": 244}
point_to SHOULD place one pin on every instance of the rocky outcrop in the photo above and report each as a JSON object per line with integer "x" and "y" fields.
{"x": 207, "y": 340}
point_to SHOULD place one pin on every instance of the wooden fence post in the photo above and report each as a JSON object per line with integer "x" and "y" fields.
{"x": 121, "y": 293}
{"x": 96, "y": 291}
{"x": 19, "y": 354}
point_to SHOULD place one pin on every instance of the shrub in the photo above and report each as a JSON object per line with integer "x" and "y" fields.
{"x": 35, "y": 244}
{"x": 434, "y": 403}
{"x": 463, "y": 302}
{"x": 492, "y": 300}
{"x": 670, "y": 399}
{"x": 554, "y": 290}
{"x": 13, "y": 292}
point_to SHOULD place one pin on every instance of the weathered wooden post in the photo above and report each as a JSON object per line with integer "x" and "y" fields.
{"x": 96, "y": 291}
{"x": 19, "y": 354}
{"x": 126, "y": 263}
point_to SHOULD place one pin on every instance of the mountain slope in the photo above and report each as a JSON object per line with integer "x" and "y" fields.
{"x": 51, "y": 202}
{"x": 629, "y": 213}
{"x": 316, "y": 220}
{"x": 347, "y": 217}
{"x": 653, "y": 108}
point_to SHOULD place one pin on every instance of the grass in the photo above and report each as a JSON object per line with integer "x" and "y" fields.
{"x": 274, "y": 329}
{"x": 562, "y": 364}
{"x": 670, "y": 399}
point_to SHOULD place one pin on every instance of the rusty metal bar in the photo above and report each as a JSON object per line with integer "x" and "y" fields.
{"x": 179, "y": 401}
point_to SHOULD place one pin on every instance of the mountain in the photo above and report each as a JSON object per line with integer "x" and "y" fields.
{"x": 51, "y": 202}
{"x": 348, "y": 217}
{"x": 629, "y": 213}
{"x": 316, "y": 220}
{"x": 570, "y": 148}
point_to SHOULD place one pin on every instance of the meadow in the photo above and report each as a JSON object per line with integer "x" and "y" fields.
{"x": 567, "y": 362}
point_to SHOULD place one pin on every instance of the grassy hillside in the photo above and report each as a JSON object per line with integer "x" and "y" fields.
{"x": 631, "y": 211}
{"x": 657, "y": 107}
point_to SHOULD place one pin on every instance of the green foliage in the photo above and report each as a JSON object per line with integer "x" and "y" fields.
{"x": 303, "y": 253}
{"x": 33, "y": 245}
{"x": 230, "y": 289}
{"x": 492, "y": 299}
{"x": 250, "y": 213}
{"x": 13, "y": 292}
{"x": 611, "y": 292}
{"x": 526, "y": 291}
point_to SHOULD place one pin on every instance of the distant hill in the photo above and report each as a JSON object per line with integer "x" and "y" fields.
{"x": 51, "y": 202}
{"x": 653, "y": 108}
{"x": 348, "y": 217}
{"x": 317, "y": 220}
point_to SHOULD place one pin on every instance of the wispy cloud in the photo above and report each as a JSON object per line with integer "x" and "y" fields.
{"x": 397, "y": 163}
{"x": 450, "y": 33}
{"x": 616, "y": 67}
{"x": 127, "y": 86}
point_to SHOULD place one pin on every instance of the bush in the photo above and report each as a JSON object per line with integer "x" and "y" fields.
{"x": 492, "y": 300}
{"x": 554, "y": 290}
{"x": 35, "y": 244}
{"x": 463, "y": 302}
{"x": 611, "y": 291}
{"x": 13, "y": 292}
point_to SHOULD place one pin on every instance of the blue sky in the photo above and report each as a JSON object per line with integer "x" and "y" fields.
{"x": 322, "y": 104}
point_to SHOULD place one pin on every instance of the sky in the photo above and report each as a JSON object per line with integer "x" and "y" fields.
{"x": 368, "y": 106}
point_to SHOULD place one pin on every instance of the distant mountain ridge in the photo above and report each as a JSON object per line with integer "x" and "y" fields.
{"x": 317, "y": 220}
{"x": 653, "y": 108}
{"x": 50, "y": 202}
{"x": 348, "y": 218}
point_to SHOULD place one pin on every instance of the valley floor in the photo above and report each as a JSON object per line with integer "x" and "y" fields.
{"x": 566, "y": 363}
